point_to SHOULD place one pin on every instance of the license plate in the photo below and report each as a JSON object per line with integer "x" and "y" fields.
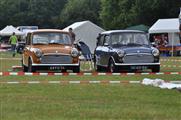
{"x": 138, "y": 67}
{"x": 56, "y": 68}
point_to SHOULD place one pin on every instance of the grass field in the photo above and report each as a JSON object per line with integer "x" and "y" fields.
{"x": 88, "y": 102}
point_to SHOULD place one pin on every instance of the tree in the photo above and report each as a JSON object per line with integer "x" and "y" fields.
{"x": 43, "y": 13}
{"x": 80, "y": 10}
{"x": 119, "y": 14}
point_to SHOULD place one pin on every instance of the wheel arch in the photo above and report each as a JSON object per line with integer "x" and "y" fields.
{"x": 111, "y": 58}
{"x": 26, "y": 64}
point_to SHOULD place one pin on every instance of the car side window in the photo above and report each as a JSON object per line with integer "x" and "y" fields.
{"x": 28, "y": 39}
{"x": 107, "y": 40}
{"x": 100, "y": 40}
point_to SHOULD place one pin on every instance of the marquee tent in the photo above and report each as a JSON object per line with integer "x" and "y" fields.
{"x": 170, "y": 26}
{"x": 87, "y": 32}
{"x": 8, "y": 31}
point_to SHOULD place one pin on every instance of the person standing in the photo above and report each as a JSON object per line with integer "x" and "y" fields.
{"x": 13, "y": 41}
{"x": 72, "y": 35}
{"x": 180, "y": 24}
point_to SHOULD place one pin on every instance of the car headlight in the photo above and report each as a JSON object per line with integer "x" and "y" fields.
{"x": 74, "y": 52}
{"x": 38, "y": 52}
{"x": 120, "y": 53}
{"x": 155, "y": 52}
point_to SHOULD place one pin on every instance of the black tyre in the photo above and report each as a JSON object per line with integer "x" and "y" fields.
{"x": 76, "y": 69}
{"x": 63, "y": 70}
{"x": 156, "y": 69}
{"x": 98, "y": 68}
{"x": 111, "y": 67}
{"x": 25, "y": 69}
{"x": 30, "y": 67}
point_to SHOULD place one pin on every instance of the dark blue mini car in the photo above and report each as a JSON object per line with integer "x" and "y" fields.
{"x": 125, "y": 50}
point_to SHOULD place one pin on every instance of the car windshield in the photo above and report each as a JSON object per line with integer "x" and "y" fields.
{"x": 51, "y": 38}
{"x": 132, "y": 39}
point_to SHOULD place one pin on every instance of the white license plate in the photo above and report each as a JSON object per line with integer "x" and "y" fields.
{"x": 138, "y": 67}
{"x": 56, "y": 68}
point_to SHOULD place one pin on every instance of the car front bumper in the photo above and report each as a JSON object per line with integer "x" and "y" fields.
{"x": 137, "y": 66}
{"x": 130, "y": 64}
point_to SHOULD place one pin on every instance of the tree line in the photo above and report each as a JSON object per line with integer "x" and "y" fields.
{"x": 109, "y": 14}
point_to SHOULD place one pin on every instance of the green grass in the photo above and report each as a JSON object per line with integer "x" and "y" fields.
{"x": 87, "y": 102}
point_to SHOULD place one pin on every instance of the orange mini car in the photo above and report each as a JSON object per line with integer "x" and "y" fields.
{"x": 50, "y": 49}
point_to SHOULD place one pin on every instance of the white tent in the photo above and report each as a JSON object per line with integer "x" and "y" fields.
{"x": 87, "y": 32}
{"x": 8, "y": 31}
{"x": 170, "y": 26}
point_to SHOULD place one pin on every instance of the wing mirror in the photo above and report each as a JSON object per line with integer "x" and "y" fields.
{"x": 106, "y": 44}
{"x": 153, "y": 44}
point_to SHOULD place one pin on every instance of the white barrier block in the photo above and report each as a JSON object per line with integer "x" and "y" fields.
{"x": 44, "y": 74}
{"x": 29, "y": 74}
{"x": 87, "y": 73}
{"x": 54, "y": 82}
{"x": 13, "y": 73}
{"x": 101, "y": 73}
{"x": 94, "y": 82}
{"x": 115, "y": 82}
{"x": 58, "y": 74}
{"x": 74, "y": 82}
{"x": 135, "y": 82}
{"x": 33, "y": 82}
{"x": 13, "y": 82}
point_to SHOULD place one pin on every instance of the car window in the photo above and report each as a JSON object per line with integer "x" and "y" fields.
{"x": 141, "y": 39}
{"x": 129, "y": 39}
{"x": 28, "y": 39}
{"x": 101, "y": 40}
{"x": 51, "y": 38}
{"x": 107, "y": 39}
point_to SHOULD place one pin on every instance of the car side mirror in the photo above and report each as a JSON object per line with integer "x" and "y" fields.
{"x": 106, "y": 44}
{"x": 153, "y": 44}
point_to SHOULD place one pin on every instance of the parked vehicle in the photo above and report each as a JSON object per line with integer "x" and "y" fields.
{"x": 49, "y": 49}
{"x": 125, "y": 50}
{"x": 20, "y": 47}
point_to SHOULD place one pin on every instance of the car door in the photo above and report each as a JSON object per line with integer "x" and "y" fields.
{"x": 106, "y": 50}
{"x": 98, "y": 50}
{"x": 26, "y": 50}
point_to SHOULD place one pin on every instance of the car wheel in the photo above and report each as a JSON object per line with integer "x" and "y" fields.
{"x": 63, "y": 70}
{"x": 30, "y": 67}
{"x": 156, "y": 69}
{"x": 111, "y": 67}
{"x": 98, "y": 68}
{"x": 76, "y": 69}
{"x": 25, "y": 69}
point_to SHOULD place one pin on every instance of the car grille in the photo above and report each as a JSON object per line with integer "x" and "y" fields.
{"x": 138, "y": 58}
{"x": 56, "y": 59}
